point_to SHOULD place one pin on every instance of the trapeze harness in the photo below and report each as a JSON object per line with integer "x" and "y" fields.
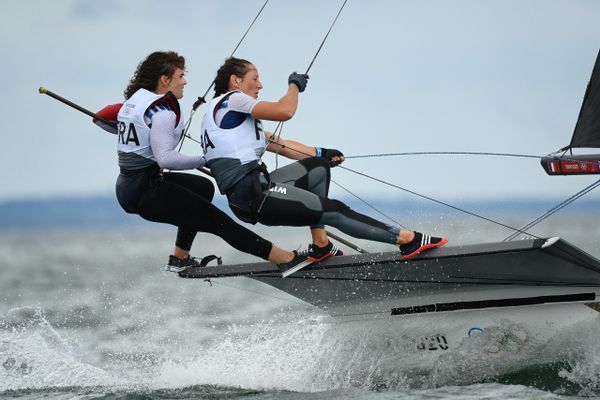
{"x": 294, "y": 195}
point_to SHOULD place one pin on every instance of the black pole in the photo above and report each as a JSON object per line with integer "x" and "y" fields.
{"x": 43, "y": 90}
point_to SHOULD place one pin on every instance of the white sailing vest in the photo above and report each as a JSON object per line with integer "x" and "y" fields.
{"x": 246, "y": 142}
{"x": 133, "y": 133}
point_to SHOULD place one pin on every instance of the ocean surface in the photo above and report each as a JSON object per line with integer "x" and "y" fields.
{"x": 91, "y": 314}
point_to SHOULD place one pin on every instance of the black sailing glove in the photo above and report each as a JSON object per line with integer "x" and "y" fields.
{"x": 329, "y": 154}
{"x": 300, "y": 80}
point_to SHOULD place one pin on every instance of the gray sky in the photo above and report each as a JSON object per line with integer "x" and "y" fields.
{"x": 394, "y": 76}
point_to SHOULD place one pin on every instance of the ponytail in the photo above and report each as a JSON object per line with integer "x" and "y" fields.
{"x": 232, "y": 66}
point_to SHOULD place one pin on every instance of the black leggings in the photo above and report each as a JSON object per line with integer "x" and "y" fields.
{"x": 184, "y": 200}
{"x": 298, "y": 197}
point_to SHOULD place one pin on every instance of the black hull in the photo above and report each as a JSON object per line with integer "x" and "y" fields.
{"x": 481, "y": 273}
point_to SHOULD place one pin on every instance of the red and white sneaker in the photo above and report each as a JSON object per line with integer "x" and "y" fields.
{"x": 420, "y": 243}
{"x": 316, "y": 253}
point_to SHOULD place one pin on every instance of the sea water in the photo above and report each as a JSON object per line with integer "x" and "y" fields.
{"x": 92, "y": 314}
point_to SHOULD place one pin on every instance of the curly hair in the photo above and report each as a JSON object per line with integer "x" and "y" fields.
{"x": 232, "y": 66}
{"x": 149, "y": 71}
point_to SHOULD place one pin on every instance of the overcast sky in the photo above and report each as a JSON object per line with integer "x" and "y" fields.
{"x": 394, "y": 76}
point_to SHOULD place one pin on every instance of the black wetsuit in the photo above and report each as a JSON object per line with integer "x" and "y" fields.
{"x": 297, "y": 196}
{"x": 183, "y": 200}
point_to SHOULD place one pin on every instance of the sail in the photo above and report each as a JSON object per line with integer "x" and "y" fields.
{"x": 586, "y": 134}
{"x": 587, "y": 129}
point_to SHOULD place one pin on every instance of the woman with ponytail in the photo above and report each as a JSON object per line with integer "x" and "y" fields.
{"x": 233, "y": 141}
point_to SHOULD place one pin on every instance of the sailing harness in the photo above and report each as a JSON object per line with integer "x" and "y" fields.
{"x": 258, "y": 194}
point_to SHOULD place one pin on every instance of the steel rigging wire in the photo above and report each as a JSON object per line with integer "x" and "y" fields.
{"x": 438, "y": 201}
{"x": 553, "y": 210}
{"x": 202, "y": 99}
{"x": 279, "y": 127}
{"x": 516, "y": 232}
{"x": 468, "y": 153}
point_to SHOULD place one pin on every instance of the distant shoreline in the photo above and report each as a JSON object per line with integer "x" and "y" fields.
{"x": 103, "y": 212}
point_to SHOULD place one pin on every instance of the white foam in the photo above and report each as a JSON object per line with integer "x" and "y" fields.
{"x": 35, "y": 355}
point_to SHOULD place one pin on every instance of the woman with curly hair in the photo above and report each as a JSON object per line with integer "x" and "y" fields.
{"x": 149, "y": 127}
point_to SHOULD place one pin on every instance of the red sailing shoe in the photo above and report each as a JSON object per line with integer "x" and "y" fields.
{"x": 420, "y": 243}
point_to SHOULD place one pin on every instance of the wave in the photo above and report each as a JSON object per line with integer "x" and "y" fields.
{"x": 298, "y": 353}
